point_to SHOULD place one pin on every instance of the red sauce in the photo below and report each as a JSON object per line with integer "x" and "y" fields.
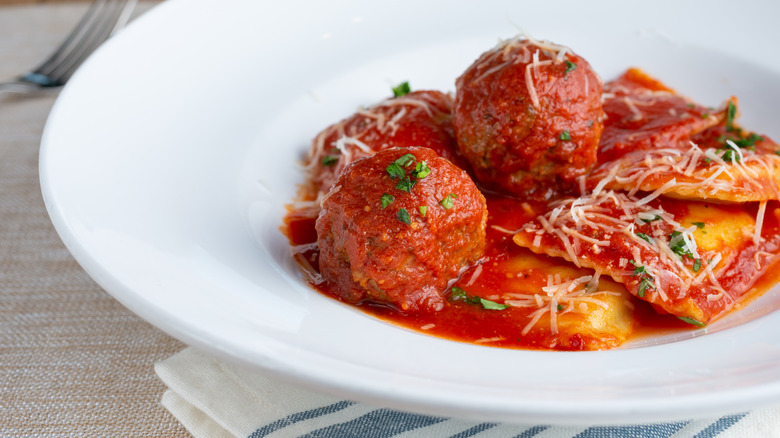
{"x": 464, "y": 322}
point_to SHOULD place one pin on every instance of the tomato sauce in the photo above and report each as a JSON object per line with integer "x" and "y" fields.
{"x": 466, "y": 322}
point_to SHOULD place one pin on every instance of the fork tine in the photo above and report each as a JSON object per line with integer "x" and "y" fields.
{"x": 101, "y": 20}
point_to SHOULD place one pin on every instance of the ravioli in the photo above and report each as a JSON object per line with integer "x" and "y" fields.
{"x": 569, "y": 304}
{"x": 644, "y": 114}
{"x": 694, "y": 260}
{"x": 554, "y": 303}
{"x": 655, "y": 140}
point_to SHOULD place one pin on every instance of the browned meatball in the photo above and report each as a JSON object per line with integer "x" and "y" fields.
{"x": 397, "y": 226}
{"x": 420, "y": 118}
{"x": 528, "y": 118}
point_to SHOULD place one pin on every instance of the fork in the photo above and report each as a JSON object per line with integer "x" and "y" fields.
{"x": 102, "y": 19}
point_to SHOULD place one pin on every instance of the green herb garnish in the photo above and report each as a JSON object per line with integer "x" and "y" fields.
{"x": 731, "y": 113}
{"x": 692, "y": 321}
{"x": 638, "y": 269}
{"x": 696, "y": 265}
{"x": 645, "y": 237}
{"x": 460, "y": 294}
{"x": 402, "y": 89}
{"x": 647, "y": 280}
{"x": 405, "y": 160}
{"x": 570, "y": 66}
{"x": 492, "y": 305}
{"x": 387, "y": 199}
{"x": 645, "y": 284}
{"x": 748, "y": 142}
{"x": 678, "y": 246}
{"x": 329, "y": 160}
{"x": 395, "y": 171}
{"x": 447, "y": 202}
{"x": 565, "y": 135}
{"x": 421, "y": 170}
{"x": 403, "y": 216}
{"x": 730, "y": 156}
{"x": 405, "y": 184}
{"x": 699, "y": 225}
{"x": 423, "y": 210}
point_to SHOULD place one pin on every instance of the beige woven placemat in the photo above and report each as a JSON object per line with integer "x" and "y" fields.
{"x": 73, "y": 361}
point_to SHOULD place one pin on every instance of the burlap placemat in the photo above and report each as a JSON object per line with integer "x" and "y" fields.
{"x": 73, "y": 361}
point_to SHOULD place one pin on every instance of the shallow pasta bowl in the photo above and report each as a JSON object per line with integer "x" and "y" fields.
{"x": 168, "y": 160}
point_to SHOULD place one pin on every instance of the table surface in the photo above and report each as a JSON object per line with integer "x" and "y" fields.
{"x": 73, "y": 361}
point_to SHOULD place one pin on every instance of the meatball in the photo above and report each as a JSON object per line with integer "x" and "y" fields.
{"x": 397, "y": 226}
{"x": 528, "y": 117}
{"x": 420, "y": 118}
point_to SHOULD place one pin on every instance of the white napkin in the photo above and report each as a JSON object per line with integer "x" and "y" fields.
{"x": 212, "y": 398}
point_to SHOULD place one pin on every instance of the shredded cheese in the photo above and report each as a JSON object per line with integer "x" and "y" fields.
{"x": 570, "y": 294}
{"x": 759, "y": 222}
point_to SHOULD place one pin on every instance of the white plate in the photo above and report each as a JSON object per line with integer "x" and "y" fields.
{"x": 167, "y": 160}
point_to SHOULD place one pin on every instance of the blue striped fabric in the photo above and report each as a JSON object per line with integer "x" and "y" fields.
{"x": 298, "y": 417}
{"x": 386, "y": 423}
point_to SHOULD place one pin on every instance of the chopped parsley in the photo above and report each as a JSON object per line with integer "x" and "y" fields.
{"x": 570, "y": 67}
{"x": 423, "y": 210}
{"x": 699, "y": 225}
{"x": 387, "y": 199}
{"x": 731, "y": 113}
{"x": 421, "y": 170}
{"x": 748, "y": 142}
{"x": 638, "y": 269}
{"x": 329, "y": 160}
{"x": 646, "y": 282}
{"x": 692, "y": 321}
{"x": 460, "y": 294}
{"x": 679, "y": 247}
{"x": 448, "y": 202}
{"x": 655, "y": 218}
{"x": 565, "y": 135}
{"x": 402, "y": 89}
{"x": 405, "y": 160}
{"x": 492, "y": 305}
{"x": 405, "y": 184}
{"x": 395, "y": 171}
{"x": 560, "y": 307}
{"x": 403, "y": 216}
{"x": 730, "y": 156}
{"x": 645, "y": 237}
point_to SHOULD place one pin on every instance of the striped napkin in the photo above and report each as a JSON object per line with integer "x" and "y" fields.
{"x": 212, "y": 398}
